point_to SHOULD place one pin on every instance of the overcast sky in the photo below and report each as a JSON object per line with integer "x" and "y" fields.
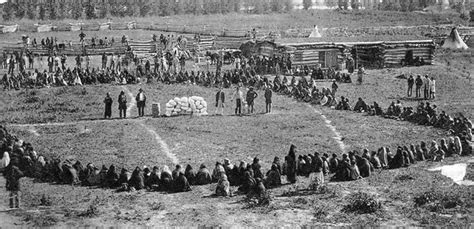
{"x": 2, "y": 1}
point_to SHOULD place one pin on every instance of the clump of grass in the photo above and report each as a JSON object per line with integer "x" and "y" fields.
{"x": 435, "y": 201}
{"x": 90, "y": 212}
{"x": 262, "y": 200}
{"x": 321, "y": 210}
{"x": 157, "y": 206}
{"x": 362, "y": 203}
{"x": 46, "y": 219}
{"x": 404, "y": 177}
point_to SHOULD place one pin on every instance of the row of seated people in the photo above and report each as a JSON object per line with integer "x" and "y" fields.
{"x": 248, "y": 177}
{"x": 423, "y": 114}
{"x": 82, "y": 76}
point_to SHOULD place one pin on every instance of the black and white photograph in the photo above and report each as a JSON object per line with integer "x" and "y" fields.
{"x": 236, "y": 113}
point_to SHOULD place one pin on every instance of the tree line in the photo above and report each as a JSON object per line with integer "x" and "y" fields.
{"x": 91, "y": 9}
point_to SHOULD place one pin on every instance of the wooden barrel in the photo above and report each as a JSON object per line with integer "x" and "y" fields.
{"x": 155, "y": 110}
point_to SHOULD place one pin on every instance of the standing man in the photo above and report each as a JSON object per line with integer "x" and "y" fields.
{"x": 268, "y": 99}
{"x": 13, "y": 175}
{"x": 432, "y": 88}
{"x": 426, "y": 86}
{"x": 104, "y": 61}
{"x": 251, "y": 96}
{"x": 50, "y": 63}
{"x": 410, "y": 81}
{"x": 11, "y": 65}
{"x": 108, "y": 106}
{"x": 418, "y": 83}
{"x": 334, "y": 87}
{"x": 239, "y": 96}
{"x": 220, "y": 100}
{"x": 122, "y": 101}
{"x": 79, "y": 61}
{"x": 63, "y": 61}
{"x": 141, "y": 100}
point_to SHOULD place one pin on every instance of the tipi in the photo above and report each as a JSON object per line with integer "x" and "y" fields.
{"x": 315, "y": 32}
{"x": 454, "y": 41}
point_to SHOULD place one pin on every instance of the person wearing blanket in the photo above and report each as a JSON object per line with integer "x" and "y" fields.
{"x": 220, "y": 100}
{"x": 238, "y": 95}
{"x": 141, "y": 100}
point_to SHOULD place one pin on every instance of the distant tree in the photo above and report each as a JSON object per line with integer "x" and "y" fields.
{"x": 237, "y": 5}
{"x": 155, "y": 7}
{"x": 166, "y": 7}
{"x": 288, "y": 5}
{"x": 90, "y": 9}
{"x": 198, "y": 7}
{"x": 178, "y": 6}
{"x": 42, "y": 12}
{"x": 20, "y": 10}
{"x": 145, "y": 8}
{"x": 8, "y": 11}
{"x": 52, "y": 10}
{"x": 76, "y": 11}
{"x": 277, "y": 6}
{"x": 105, "y": 10}
{"x": 63, "y": 9}
{"x": 259, "y": 7}
{"x": 31, "y": 11}
{"x": 307, "y": 4}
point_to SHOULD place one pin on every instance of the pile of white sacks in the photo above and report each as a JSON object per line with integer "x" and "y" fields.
{"x": 193, "y": 105}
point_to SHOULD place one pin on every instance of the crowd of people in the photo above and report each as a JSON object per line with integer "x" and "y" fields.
{"x": 18, "y": 158}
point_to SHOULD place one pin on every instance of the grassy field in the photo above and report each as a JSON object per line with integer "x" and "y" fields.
{"x": 81, "y": 135}
{"x": 76, "y": 131}
{"x": 245, "y": 22}
{"x": 295, "y": 19}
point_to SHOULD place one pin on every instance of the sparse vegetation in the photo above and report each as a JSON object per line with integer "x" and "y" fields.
{"x": 362, "y": 203}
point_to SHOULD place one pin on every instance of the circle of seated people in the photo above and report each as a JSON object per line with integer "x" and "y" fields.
{"x": 248, "y": 177}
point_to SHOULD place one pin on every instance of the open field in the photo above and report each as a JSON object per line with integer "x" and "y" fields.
{"x": 80, "y": 135}
{"x": 244, "y": 22}
{"x": 294, "y": 19}
{"x": 66, "y": 122}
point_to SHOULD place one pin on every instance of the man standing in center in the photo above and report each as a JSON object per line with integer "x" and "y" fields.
{"x": 251, "y": 96}
{"x": 141, "y": 99}
{"x": 411, "y": 82}
{"x": 268, "y": 99}
{"x": 122, "y": 101}
{"x": 238, "y": 95}
{"x": 220, "y": 100}
{"x": 108, "y": 106}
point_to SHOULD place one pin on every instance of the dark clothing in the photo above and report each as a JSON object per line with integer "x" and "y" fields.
{"x": 291, "y": 170}
{"x": 122, "y": 101}
{"x": 141, "y": 104}
{"x": 108, "y": 107}
{"x": 238, "y": 108}
{"x": 13, "y": 175}
{"x": 181, "y": 184}
{"x": 220, "y": 96}
{"x": 251, "y": 95}
{"x": 203, "y": 177}
{"x": 268, "y": 95}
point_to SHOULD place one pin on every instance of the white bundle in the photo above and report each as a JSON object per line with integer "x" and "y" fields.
{"x": 185, "y": 105}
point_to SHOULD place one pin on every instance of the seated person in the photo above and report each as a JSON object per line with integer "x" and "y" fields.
{"x": 360, "y": 106}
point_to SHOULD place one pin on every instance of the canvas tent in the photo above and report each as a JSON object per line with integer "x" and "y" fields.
{"x": 315, "y": 32}
{"x": 454, "y": 41}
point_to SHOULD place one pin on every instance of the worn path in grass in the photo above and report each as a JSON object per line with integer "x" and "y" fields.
{"x": 138, "y": 122}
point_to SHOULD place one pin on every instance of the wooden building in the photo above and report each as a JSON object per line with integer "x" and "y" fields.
{"x": 389, "y": 54}
{"x": 319, "y": 54}
{"x": 376, "y": 54}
